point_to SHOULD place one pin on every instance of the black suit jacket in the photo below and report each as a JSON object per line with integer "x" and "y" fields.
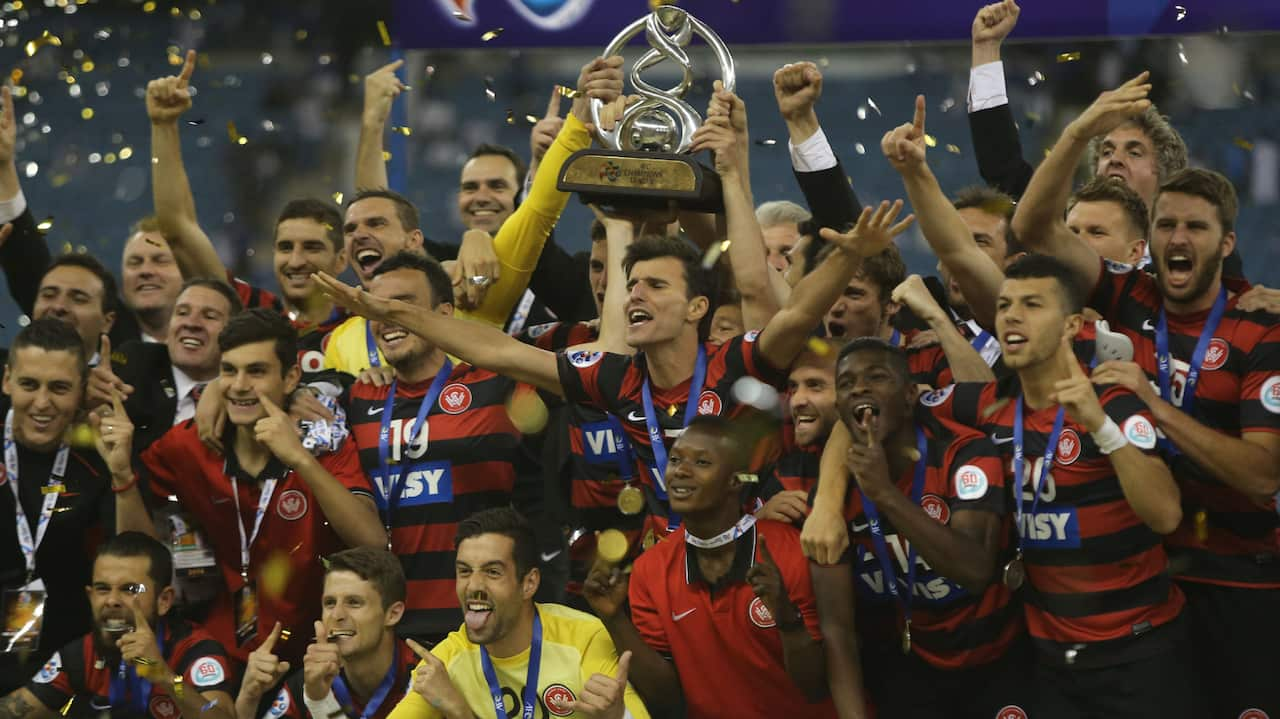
{"x": 154, "y": 401}
{"x": 24, "y": 258}
{"x": 832, "y": 201}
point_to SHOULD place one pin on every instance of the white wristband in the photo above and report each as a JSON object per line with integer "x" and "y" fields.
{"x": 325, "y": 708}
{"x": 1108, "y": 437}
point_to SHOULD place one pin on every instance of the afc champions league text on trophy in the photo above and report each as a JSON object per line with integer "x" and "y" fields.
{"x": 645, "y": 164}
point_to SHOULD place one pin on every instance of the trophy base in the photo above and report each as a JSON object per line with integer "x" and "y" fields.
{"x": 621, "y": 180}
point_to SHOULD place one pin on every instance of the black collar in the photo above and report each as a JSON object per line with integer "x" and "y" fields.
{"x": 273, "y": 469}
{"x": 744, "y": 556}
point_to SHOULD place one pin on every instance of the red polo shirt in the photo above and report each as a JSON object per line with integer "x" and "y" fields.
{"x": 725, "y": 644}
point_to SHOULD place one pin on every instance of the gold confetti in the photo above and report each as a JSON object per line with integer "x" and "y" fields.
{"x": 175, "y": 12}
{"x": 526, "y": 410}
{"x": 15, "y": 76}
{"x": 819, "y": 346}
{"x": 87, "y": 113}
{"x": 67, "y": 707}
{"x": 462, "y": 16}
{"x": 1243, "y": 144}
{"x": 46, "y": 38}
{"x": 1068, "y": 56}
{"x": 87, "y": 66}
{"x": 511, "y": 116}
{"x": 82, "y": 435}
{"x": 1201, "y": 524}
{"x": 275, "y": 574}
{"x": 284, "y": 635}
{"x": 382, "y": 32}
{"x": 671, "y": 411}
{"x": 930, "y": 140}
{"x": 491, "y": 34}
{"x": 953, "y": 149}
{"x": 402, "y": 130}
{"x": 109, "y": 158}
{"x": 194, "y": 15}
{"x": 46, "y": 224}
{"x": 175, "y": 59}
{"x": 568, "y": 92}
{"x": 234, "y": 134}
{"x": 337, "y": 198}
{"x": 300, "y": 35}
{"x": 386, "y": 156}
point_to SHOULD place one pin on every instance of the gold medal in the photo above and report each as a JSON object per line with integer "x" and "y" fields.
{"x": 612, "y": 546}
{"x": 1014, "y": 573}
{"x": 631, "y": 500}
{"x": 906, "y": 638}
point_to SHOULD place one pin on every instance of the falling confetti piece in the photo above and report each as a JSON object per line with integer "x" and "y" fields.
{"x": 462, "y": 16}
{"x": 1182, "y": 12}
{"x": 947, "y": 104}
{"x": 46, "y": 224}
{"x": 175, "y": 59}
{"x": 148, "y": 6}
{"x": 46, "y": 38}
{"x": 300, "y": 35}
{"x": 488, "y": 89}
{"x": 386, "y": 156}
{"x": 712, "y": 255}
{"x": 511, "y": 116}
{"x": 382, "y": 32}
{"x": 531, "y": 119}
{"x": 526, "y": 410}
{"x": 15, "y": 75}
{"x": 767, "y": 141}
{"x": 337, "y": 198}
{"x": 234, "y": 134}
{"x": 285, "y": 634}
{"x": 1068, "y": 56}
{"x": 1182, "y": 55}
{"x": 195, "y": 15}
{"x": 859, "y": 148}
{"x": 862, "y": 112}
{"x": 671, "y": 411}
{"x": 275, "y": 574}
{"x": 953, "y": 149}
{"x": 87, "y": 66}
{"x": 126, "y": 153}
{"x": 872, "y": 104}
{"x": 196, "y": 123}
{"x": 819, "y": 346}
{"x": 87, "y": 113}
{"x": 930, "y": 140}
{"x": 402, "y": 130}
{"x": 491, "y": 34}
{"x": 1243, "y": 144}
{"x": 568, "y": 92}
{"x": 67, "y": 707}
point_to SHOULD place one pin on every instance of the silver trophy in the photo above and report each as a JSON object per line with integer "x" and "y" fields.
{"x": 644, "y": 163}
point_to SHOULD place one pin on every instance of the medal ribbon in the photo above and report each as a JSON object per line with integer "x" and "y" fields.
{"x": 877, "y": 533}
{"x": 371, "y": 345}
{"x": 26, "y": 542}
{"x": 395, "y": 489}
{"x": 343, "y": 694}
{"x": 529, "y": 697}
{"x": 655, "y": 430}
{"x": 731, "y": 534}
{"x": 1164, "y": 360}
{"x": 127, "y": 684}
{"x": 1050, "y": 453}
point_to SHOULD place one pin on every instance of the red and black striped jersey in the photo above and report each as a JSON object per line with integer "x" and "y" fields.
{"x": 797, "y": 466}
{"x": 466, "y": 459}
{"x": 1095, "y": 571}
{"x": 253, "y": 297}
{"x": 312, "y": 339}
{"x": 555, "y": 336}
{"x": 612, "y": 383}
{"x": 952, "y": 628}
{"x": 928, "y": 364}
{"x": 1239, "y": 391}
{"x": 78, "y": 675}
{"x": 290, "y": 702}
{"x": 284, "y": 564}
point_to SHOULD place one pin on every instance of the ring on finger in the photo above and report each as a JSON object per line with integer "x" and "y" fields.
{"x": 480, "y": 280}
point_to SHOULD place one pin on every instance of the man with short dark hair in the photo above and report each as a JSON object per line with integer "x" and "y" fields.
{"x": 150, "y": 279}
{"x": 308, "y": 239}
{"x": 1112, "y": 218}
{"x": 511, "y": 654}
{"x": 268, "y": 506}
{"x": 356, "y": 664}
{"x": 54, "y": 503}
{"x": 141, "y": 659}
{"x": 1093, "y": 490}
{"x": 78, "y": 290}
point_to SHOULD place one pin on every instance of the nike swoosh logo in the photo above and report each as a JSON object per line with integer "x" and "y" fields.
{"x": 548, "y": 556}
{"x": 1147, "y": 326}
{"x": 375, "y": 410}
{"x": 677, "y": 617}
{"x": 222, "y": 500}
{"x": 633, "y": 417}
{"x": 1000, "y": 440}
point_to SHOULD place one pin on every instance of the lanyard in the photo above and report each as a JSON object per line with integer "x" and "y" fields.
{"x": 655, "y": 430}
{"x": 1050, "y": 452}
{"x": 371, "y": 345}
{"x": 895, "y": 338}
{"x": 1164, "y": 360}
{"x": 126, "y": 683}
{"x": 731, "y": 534}
{"x": 981, "y": 342}
{"x": 264, "y": 499}
{"x": 877, "y": 533}
{"x": 26, "y": 542}
{"x": 529, "y": 697}
{"x": 379, "y": 695}
{"x": 394, "y": 489}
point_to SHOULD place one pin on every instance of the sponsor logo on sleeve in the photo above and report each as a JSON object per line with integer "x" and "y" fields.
{"x": 751, "y": 336}
{"x": 50, "y": 670}
{"x": 709, "y": 403}
{"x": 537, "y": 331}
{"x": 1253, "y": 714}
{"x": 1115, "y": 268}
{"x": 936, "y": 507}
{"x": 760, "y": 615}
{"x": 937, "y": 396}
{"x": 207, "y": 671}
{"x": 1270, "y": 395}
{"x": 971, "y": 482}
{"x": 1140, "y": 432}
{"x": 1012, "y": 711}
{"x": 455, "y": 398}
{"x": 292, "y": 505}
{"x": 1068, "y": 447}
{"x": 556, "y": 698}
{"x": 583, "y": 358}
{"x": 280, "y": 705}
{"x": 162, "y": 707}
{"x": 1216, "y": 354}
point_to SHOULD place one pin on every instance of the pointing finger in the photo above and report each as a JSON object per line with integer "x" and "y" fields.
{"x": 553, "y": 105}
{"x": 765, "y": 554}
{"x": 918, "y": 120}
{"x": 188, "y": 67}
{"x": 321, "y": 635}
{"x": 418, "y": 649}
{"x": 391, "y": 66}
{"x": 270, "y": 642}
{"x": 104, "y": 352}
{"x": 117, "y": 405}
{"x": 272, "y": 408}
{"x": 624, "y": 666}
{"x": 6, "y": 97}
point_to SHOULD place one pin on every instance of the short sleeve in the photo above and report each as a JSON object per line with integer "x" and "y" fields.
{"x": 591, "y": 377}
{"x": 743, "y": 358}
{"x": 1131, "y": 415}
{"x": 287, "y": 704}
{"x": 960, "y": 402}
{"x": 205, "y": 667}
{"x": 52, "y": 684}
{"x": 1260, "y": 384}
{"x": 784, "y": 547}
{"x": 1111, "y": 287}
{"x": 976, "y": 475}
{"x": 345, "y": 467}
{"x": 645, "y": 613}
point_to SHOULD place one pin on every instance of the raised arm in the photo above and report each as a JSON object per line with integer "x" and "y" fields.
{"x": 474, "y": 342}
{"x": 167, "y": 99}
{"x": 725, "y": 133}
{"x": 381, "y": 88}
{"x": 965, "y": 362}
{"x": 1040, "y": 222}
{"x": 995, "y": 135}
{"x": 825, "y": 535}
{"x": 24, "y": 255}
{"x": 619, "y": 234}
{"x": 789, "y": 330}
{"x": 977, "y": 274}
{"x": 826, "y": 188}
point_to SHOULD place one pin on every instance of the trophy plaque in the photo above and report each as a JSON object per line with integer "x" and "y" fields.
{"x": 645, "y": 161}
